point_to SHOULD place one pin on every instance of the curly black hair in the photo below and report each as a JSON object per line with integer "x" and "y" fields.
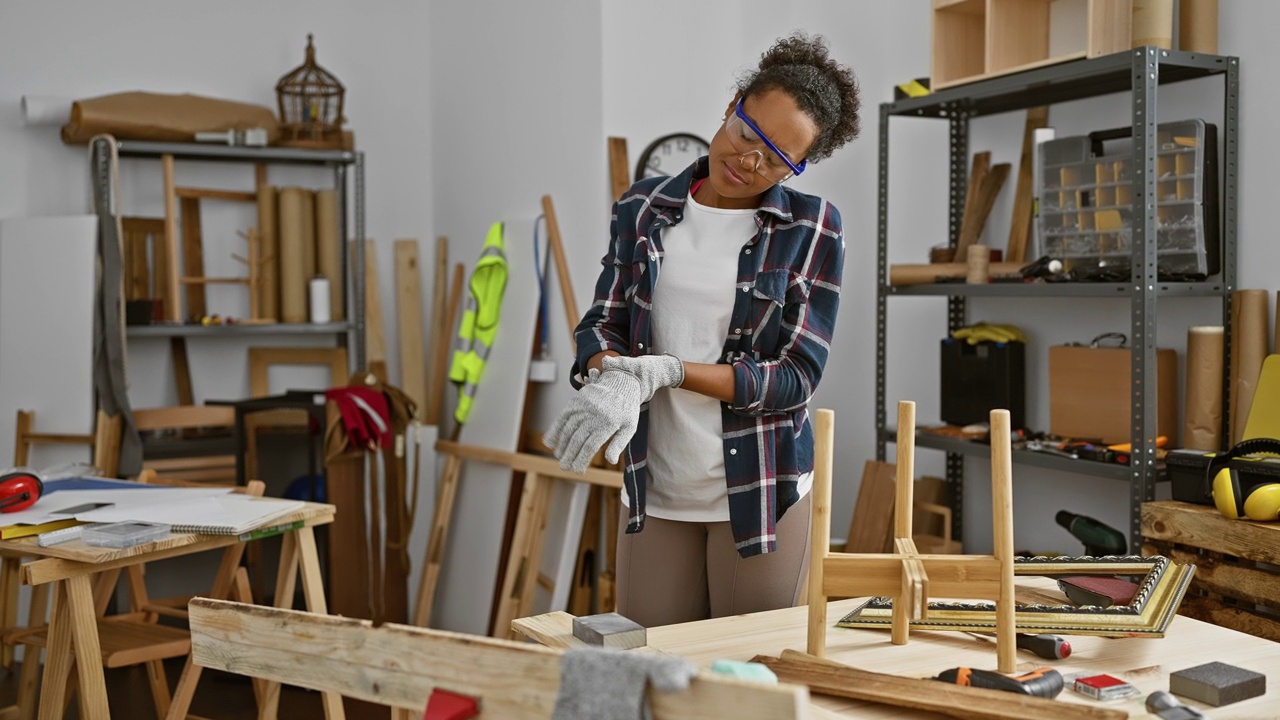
{"x": 801, "y": 66}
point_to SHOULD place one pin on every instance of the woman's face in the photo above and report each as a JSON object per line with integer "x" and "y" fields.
{"x": 742, "y": 167}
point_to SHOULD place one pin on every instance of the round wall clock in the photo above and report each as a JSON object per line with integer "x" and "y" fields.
{"x": 670, "y": 154}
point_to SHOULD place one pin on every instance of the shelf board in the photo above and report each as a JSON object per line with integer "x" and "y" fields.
{"x": 193, "y": 330}
{"x": 1061, "y": 289}
{"x": 1057, "y": 83}
{"x": 1022, "y": 457}
{"x": 238, "y": 153}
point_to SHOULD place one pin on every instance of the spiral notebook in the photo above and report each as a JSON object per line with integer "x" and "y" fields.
{"x": 230, "y": 514}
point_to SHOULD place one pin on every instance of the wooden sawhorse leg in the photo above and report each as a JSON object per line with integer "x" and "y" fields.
{"x": 73, "y": 627}
{"x": 525, "y": 554}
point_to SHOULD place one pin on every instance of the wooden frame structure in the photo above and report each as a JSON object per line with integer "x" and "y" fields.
{"x": 401, "y": 666}
{"x": 906, "y": 575}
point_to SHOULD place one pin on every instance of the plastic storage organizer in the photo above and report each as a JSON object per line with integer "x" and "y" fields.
{"x": 1086, "y": 202}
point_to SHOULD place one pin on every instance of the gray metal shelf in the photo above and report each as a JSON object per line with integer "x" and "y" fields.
{"x": 1139, "y": 72}
{"x": 1022, "y": 457}
{"x": 234, "y": 153}
{"x": 1062, "y": 289}
{"x": 166, "y": 330}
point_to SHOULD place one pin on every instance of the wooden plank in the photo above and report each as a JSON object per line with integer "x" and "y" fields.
{"x": 169, "y": 271}
{"x": 262, "y": 358}
{"x": 1024, "y": 190}
{"x": 197, "y": 194}
{"x": 140, "y": 233}
{"x": 348, "y": 536}
{"x": 84, "y": 638}
{"x": 1110, "y": 27}
{"x": 976, "y": 217}
{"x": 1236, "y": 618}
{"x": 619, "y": 170}
{"x": 441, "y": 351}
{"x": 1221, "y": 576}
{"x": 375, "y": 346}
{"x": 521, "y": 558}
{"x": 1201, "y": 526}
{"x": 439, "y": 333}
{"x": 181, "y": 370}
{"x": 395, "y": 577}
{"x": 527, "y": 462}
{"x": 871, "y": 529}
{"x": 400, "y": 666}
{"x": 981, "y": 165}
{"x": 562, "y": 267}
{"x": 446, "y": 493}
{"x": 413, "y": 366}
{"x": 955, "y": 701}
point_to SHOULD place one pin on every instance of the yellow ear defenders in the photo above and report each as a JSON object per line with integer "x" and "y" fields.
{"x": 1238, "y": 492}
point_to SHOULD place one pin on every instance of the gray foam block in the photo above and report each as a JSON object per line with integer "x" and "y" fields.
{"x": 609, "y": 630}
{"x": 1217, "y": 683}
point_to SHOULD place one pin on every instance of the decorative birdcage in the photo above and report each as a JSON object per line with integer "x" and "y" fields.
{"x": 310, "y": 102}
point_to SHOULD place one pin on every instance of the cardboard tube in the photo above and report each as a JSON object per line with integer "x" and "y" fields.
{"x": 1198, "y": 26}
{"x": 978, "y": 265}
{"x": 1250, "y": 340}
{"x": 268, "y": 251}
{"x": 308, "y": 233}
{"x": 923, "y": 274}
{"x": 45, "y": 110}
{"x": 1153, "y": 23}
{"x": 293, "y": 276}
{"x": 329, "y": 248}
{"x": 1202, "y": 422}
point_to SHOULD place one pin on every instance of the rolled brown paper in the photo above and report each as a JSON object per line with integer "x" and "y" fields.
{"x": 268, "y": 250}
{"x": 1198, "y": 26}
{"x": 978, "y": 265}
{"x": 1250, "y": 341}
{"x": 1202, "y": 422}
{"x": 309, "y": 233}
{"x": 1153, "y": 23}
{"x": 329, "y": 248}
{"x": 925, "y": 273}
{"x": 293, "y": 275}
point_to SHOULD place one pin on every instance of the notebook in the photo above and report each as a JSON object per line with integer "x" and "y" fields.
{"x": 231, "y": 514}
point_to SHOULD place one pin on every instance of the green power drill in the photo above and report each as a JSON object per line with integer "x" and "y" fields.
{"x": 1099, "y": 538}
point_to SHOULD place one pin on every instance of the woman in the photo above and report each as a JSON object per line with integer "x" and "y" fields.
{"x": 708, "y": 335}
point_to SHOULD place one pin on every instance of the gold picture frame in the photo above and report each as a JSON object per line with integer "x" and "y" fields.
{"x": 1161, "y": 587}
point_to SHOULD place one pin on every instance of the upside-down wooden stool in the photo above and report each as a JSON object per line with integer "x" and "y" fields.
{"x": 905, "y": 575}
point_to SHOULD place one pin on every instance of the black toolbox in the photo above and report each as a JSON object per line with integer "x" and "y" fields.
{"x": 977, "y": 379}
{"x": 1186, "y": 469}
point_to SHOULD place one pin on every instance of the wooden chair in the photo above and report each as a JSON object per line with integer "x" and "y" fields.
{"x": 907, "y": 575}
{"x": 198, "y": 469}
{"x": 136, "y": 637}
{"x": 402, "y": 666}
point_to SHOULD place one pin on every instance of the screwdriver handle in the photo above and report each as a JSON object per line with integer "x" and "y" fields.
{"x": 1043, "y": 682}
{"x": 1049, "y": 647}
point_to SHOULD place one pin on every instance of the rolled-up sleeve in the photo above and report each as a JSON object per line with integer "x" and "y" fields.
{"x": 785, "y": 379}
{"x": 605, "y": 325}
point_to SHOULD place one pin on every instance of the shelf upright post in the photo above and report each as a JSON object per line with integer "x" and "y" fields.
{"x": 1230, "y": 211}
{"x": 957, "y": 307}
{"x": 882, "y": 280}
{"x": 1143, "y": 279}
{"x": 344, "y": 257}
{"x": 357, "y": 270}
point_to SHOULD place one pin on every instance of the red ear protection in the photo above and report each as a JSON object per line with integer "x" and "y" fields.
{"x": 19, "y": 491}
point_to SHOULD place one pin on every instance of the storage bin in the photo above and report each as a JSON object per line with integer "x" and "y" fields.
{"x": 977, "y": 379}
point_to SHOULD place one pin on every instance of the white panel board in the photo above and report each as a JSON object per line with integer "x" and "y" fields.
{"x": 47, "y": 267}
{"x": 470, "y": 564}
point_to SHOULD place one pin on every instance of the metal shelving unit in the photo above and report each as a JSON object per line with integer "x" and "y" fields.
{"x": 350, "y": 334}
{"x": 1138, "y": 72}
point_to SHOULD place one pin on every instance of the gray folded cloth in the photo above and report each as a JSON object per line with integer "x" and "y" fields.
{"x": 605, "y": 684}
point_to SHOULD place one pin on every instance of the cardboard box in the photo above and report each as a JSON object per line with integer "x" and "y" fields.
{"x": 1089, "y": 393}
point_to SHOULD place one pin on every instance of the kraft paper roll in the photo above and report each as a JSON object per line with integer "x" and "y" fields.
{"x": 978, "y": 265}
{"x": 1202, "y": 423}
{"x": 329, "y": 248}
{"x": 309, "y": 233}
{"x": 1198, "y": 26}
{"x": 924, "y": 273}
{"x": 268, "y": 251}
{"x": 1153, "y": 23}
{"x": 1250, "y": 341}
{"x": 293, "y": 276}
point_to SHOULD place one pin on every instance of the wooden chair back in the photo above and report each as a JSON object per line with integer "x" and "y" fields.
{"x": 402, "y": 665}
{"x": 205, "y": 469}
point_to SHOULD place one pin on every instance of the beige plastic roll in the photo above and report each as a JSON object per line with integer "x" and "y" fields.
{"x": 1250, "y": 341}
{"x": 1202, "y": 422}
{"x": 1198, "y": 26}
{"x": 329, "y": 248}
{"x": 978, "y": 264}
{"x": 309, "y": 233}
{"x": 1153, "y": 23}
{"x": 268, "y": 250}
{"x": 293, "y": 274}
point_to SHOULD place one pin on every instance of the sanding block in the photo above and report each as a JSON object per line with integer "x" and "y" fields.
{"x": 609, "y": 630}
{"x": 1100, "y": 591}
{"x": 1217, "y": 683}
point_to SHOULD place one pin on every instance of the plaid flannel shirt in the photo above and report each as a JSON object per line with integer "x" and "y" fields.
{"x": 784, "y": 314}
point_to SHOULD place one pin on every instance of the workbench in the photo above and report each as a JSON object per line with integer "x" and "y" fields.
{"x": 1144, "y": 662}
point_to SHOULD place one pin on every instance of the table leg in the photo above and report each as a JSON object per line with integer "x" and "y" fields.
{"x": 57, "y": 663}
{"x": 313, "y": 590}
{"x": 29, "y": 676}
{"x": 73, "y": 627}
{"x": 269, "y": 702}
{"x": 9, "y": 583}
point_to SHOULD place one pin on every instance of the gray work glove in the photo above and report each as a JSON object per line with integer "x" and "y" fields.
{"x": 608, "y": 407}
{"x": 653, "y": 371}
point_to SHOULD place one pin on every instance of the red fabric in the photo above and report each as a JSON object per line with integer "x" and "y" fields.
{"x": 445, "y": 705}
{"x": 355, "y": 405}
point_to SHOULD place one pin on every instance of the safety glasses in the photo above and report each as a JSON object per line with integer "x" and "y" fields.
{"x": 747, "y": 139}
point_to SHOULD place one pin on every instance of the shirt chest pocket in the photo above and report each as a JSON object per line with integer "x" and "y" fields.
{"x": 773, "y": 291}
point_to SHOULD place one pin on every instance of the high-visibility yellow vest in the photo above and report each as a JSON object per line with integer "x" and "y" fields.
{"x": 479, "y": 320}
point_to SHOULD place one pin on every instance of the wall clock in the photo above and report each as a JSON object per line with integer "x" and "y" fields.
{"x": 670, "y": 154}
